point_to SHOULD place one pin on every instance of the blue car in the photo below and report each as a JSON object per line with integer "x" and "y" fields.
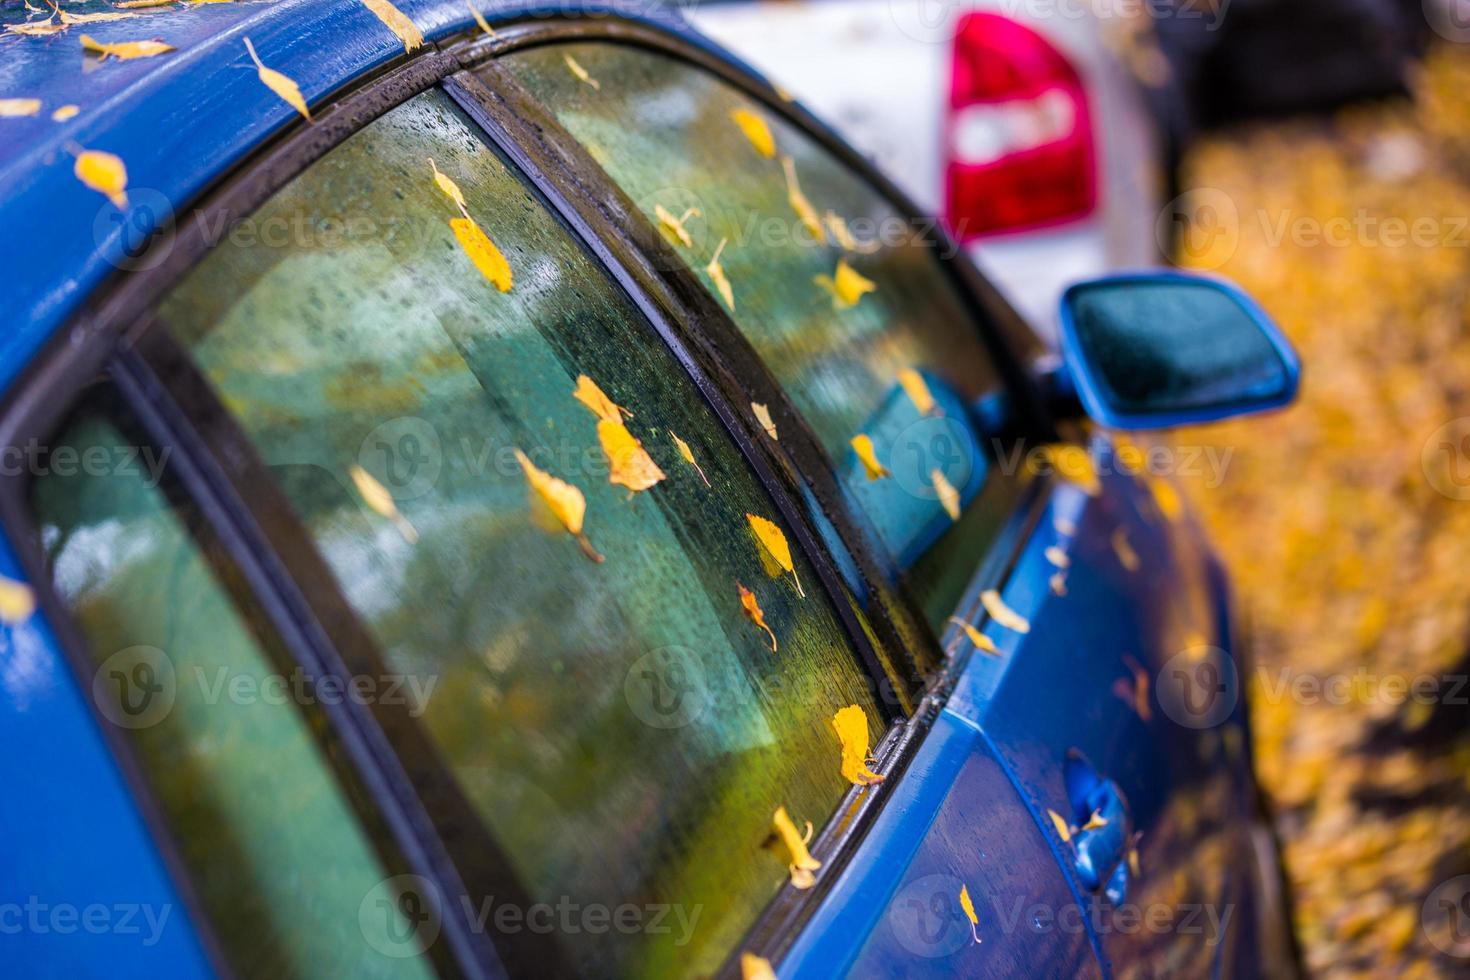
{"x": 503, "y": 490}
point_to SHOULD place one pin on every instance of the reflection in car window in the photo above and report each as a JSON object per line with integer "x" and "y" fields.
{"x": 623, "y": 725}
{"x": 275, "y": 853}
{"x": 839, "y": 294}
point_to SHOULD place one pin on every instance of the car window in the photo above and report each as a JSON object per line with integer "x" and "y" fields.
{"x": 276, "y": 855}
{"x": 621, "y": 715}
{"x": 841, "y": 295}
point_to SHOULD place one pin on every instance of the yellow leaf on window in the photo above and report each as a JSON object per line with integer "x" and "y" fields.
{"x": 763, "y": 416}
{"x": 917, "y": 389}
{"x": 969, "y": 909}
{"x": 675, "y": 226}
{"x": 449, "y": 188}
{"x": 36, "y": 30}
{"x": 482, "y": 251}
{"x": 851, "y": 725}
{"x": 397, "y": 22}
{"x": 281, "y": 84}
{"x": 588, "y": 393}
{"x": 755, "y": 128}
{"x": 1063, "y": 831}
{"x": 17, "y": 601}
{"x": 949, "y": 497}
{"x": 803, "y": 208}
{"x": 717, "y": 275}
{"x": 1057, "y": 557}
{"x": 16, "y": 108}
{"x": 380, "y": 501}
{"x": 1073, "y": 463}
{"x": 1127, "y": 557}
{"x": 580, "y": 73}
{"x": 753, "y": 967}
{"x": 754, "y": 612}
{"x": 847, "y": 286}
{"x": 773, "y": 542}
{"x": 629, "y": 464}
{"x": 65, "y": 112}
{"x": 862, "y": 444}
{"x": 483, "y": 24}
{"x": 688, "y": 455}
{"x": 977, "y": 639}
{"x": 125, "y": 50}
{"x": 843, "y": 235}
{"x": 67, "y": 18}
{"x": 1095, "y": 821}
{"x": 1003, "y": 614}
{"x": 802, "y": 864}
{"x": 105, "y": 173}
{"x": 560, "y": 501}
{"x": 1058, "y": 583}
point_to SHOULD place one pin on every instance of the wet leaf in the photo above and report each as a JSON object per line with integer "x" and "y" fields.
{"x": 773, "y": 542}
{"x": 977, "y": 639}
{"x": 688, "y": 455}
{"x": 588, "y": 393}
{"x": 675, "y": 226}
{"x": 40, "y": 29}
{"x": 142, "y": 4}
{"x": 846, "y": 285}
{"x": 1057, "y": 557}
{"x": 279, "y": 83}
{"x": 1063, "y": 830}
{"x": 1134, "y": 690}
{"x": 803, "y": 208}
{"x": 1095, "y": 821}
{"x": 913, "y": 384}
{"x": 104, "y": 173}
{"x": 753, "y": 967}
{"x": 125, "y": 50}
{"x": 1074, "y": 464}
{"x": 949, "y": 497}
{"x": 482, "y": 251}
{"x": 843, "y": 236}
{"x": 580, "y": 73}
{"x": 763, "y": 416}
{"x": 480, "y": 20}
{"x": 1064, "y": 527}
{"x": 397, "y": 22}
{"x": 1058, "y": 583}
{"x": 1003, "y": 614}
{"x": 65, "y": 112}
{"x": 448, "y": 187}
{"x": 18, "y": 108}
{"x": 968, "y": 907}
{"x": 380, "y": 501}
{"x": 17, "y": 601}
{"x": 754, "y": 612}
{"x": 862, "y": 444}
{"x": 755, "y": 128}
{"x": 629, "y": 464}
{"x": 68, "y": 18}
{"x": 851, "y": 725}
{"x": 563, "y": 502}
{"x": 716, "y": 273}
{"x": 1127, "y": 557}
{"x": 802, "y": 864}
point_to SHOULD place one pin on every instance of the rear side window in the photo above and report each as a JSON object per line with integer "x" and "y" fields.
{"x": 840, "y": 294}
{"x": 603, "y": 699}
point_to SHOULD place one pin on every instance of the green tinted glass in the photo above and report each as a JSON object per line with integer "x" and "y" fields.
{"x": 276, "y": 854}
{"x": 622, "y": 727}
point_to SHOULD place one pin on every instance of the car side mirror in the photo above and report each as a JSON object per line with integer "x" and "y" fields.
{"x": 1154, "y": 350}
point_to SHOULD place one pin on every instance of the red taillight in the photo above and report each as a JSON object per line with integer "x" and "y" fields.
{"x": 1018, "y": 137}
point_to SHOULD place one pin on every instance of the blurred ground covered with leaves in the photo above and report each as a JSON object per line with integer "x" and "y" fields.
{"x": 1352, "y": 570}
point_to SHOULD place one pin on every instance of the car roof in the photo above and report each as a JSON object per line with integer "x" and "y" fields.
{"x": 179, "y": 121}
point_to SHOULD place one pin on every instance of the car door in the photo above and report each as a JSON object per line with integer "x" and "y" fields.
{"x": 845, "y": 303}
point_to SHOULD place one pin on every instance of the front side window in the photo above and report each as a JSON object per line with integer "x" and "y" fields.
{"x": 530, "y": 506}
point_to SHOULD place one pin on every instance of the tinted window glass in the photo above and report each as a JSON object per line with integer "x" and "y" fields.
{"x": 840, "y": 304}
{"x": 277, "y": 856}
{"x": 623, "y": 728}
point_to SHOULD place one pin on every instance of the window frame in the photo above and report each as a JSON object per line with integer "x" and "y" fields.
{"x": 115, "y": 335}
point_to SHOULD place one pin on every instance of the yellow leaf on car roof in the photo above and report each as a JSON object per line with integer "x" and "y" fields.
{"x": 773, "y": 542}
{"x": 16, "y": 108}
{"x": 629, "y": 464}
{"x": 105, "y": 173}
{"x": 125, "y": 50}
{"x": 799, "y": 203}
{"x": 17, "y": 601}
{"x": 397, "y": 22}
{"x": 482, "y": 252}
{"x": 716, "y": 273}
{"x": 862, "y": 445}
{"x": 69, "y": 18}
{"x": 65, "y": 112}
{"x": 757, "y": 130}
{"x": 558, "y": 500}
{"x": 1003, "y": 614}
{"x": 1063, "y": 831}
{"x": 279, "y": 83}
{"x": 801, "y": 864}
{"x": 968, "y": 907}
{"x": 949, "y": 497}
{"x": 480, "y": 21}
{"x": 851, "y": 725}
{"x": 41, "y": 29}
{"x": 755, "y": 613}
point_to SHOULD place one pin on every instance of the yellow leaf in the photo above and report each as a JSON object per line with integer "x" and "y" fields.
{"x": 717, "y": 274}
{"x": 754, "y": 612}
{"x": 1063, "y": 831}
{"x": 844, "y": 236}
{"x": 1133, "y": 691}
{"x": 1166, "y": 498}
{"x": 675, "y": 226}
{"x": 1003, "y": 614}
{"x": 395, "y": 20}
{"x": 1127, "y": 557}
{"x": 803, "y": 208}
{"x": 688, "y": 455}
{"x": 480, "y": 19}
{"x": 597, "y": 401}
{"x": 773, "y": 541}
{"x": 851, "y": 725}
{"x": 63, "y": 113}
{"x": 105, "y": 173}
{"x": 629, "y": 464}
{"x": 379, "y": 500}
{"x": 969, "y": 909}
{"x": 753, "y": 967}
{"x": 1133, "y": 864}
{"x": 560, "y": 499}
{"x": 17, "y": 601}
{"x": 1057, "y": 557}
{"x": 1095, "y": 821}
{"x": 755, "y": 128}
{"x": 449, "y": 188}
{"x": 802, "y": 864}
{"x": 917, "y": 389}
{"x": 281, "y": 84}
{"x": 36, "y": 30}
{"x": 949, "y": 497}
{"x": 862, "y": 444}
{"x": 1064, "y": 527}
{"x": 125, "y": 50}
{"x": 977, "y": 639}
{"x": 763, "y": 416}
{"x": 1058, "y": 583}
{"x": 67, "y": 18}
{"x": 14, "y": 108}
{"x": 140, "y": 4}
{"x": 1073, "y": 463}
{"x": 579, "y": 72}
{"x": 482, "y": 252}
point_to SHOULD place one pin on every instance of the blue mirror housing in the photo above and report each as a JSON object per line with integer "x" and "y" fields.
{"x": 1154, "y": 350}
